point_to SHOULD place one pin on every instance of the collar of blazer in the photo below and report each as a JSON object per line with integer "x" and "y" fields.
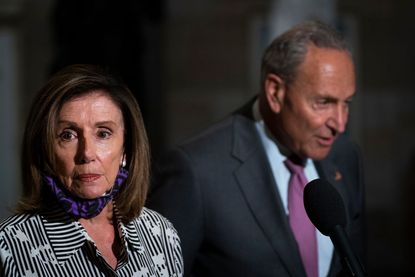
{"x": 258, "y": 187}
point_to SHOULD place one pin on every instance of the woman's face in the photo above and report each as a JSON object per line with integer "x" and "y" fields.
{"x": 89, "y": 144}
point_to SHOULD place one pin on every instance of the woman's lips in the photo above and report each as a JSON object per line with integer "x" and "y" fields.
{"x": 88, "y": 177}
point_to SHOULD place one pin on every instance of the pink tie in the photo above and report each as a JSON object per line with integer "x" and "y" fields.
{"x": 304, "y": 231}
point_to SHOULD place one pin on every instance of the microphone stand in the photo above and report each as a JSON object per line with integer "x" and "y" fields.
{"x": 348, "y": 258}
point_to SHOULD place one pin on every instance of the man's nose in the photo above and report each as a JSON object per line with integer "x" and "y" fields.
{"x": 338, "y": 119}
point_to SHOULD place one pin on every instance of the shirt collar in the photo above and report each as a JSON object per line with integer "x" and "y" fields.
{"x": 128, "y": 232}
{"x": 263, "y": 128}
{"x": 268, "y": 139}
{"x": 67, "y": 235}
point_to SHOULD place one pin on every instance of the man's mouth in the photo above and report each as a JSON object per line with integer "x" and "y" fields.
{"x": 325, "y": 141}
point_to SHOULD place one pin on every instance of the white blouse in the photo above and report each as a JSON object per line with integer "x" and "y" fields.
{"x": 54, "y": 244}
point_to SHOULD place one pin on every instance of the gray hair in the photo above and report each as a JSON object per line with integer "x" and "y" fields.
{"x": 287, "y": 51}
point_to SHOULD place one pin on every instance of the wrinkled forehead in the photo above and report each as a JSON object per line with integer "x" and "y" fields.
{"x": 92, "y": 106}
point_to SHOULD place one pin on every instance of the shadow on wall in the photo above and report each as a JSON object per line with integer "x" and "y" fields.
{"x": 409, "y": 213}
{"x": 126, "y": 38}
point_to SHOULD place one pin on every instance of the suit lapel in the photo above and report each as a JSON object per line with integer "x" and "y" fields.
{"x": 259, "y": 189}
{"x": 328, "y": 170}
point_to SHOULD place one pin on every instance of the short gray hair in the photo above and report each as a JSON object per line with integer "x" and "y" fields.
{"x": 287, "y": 51}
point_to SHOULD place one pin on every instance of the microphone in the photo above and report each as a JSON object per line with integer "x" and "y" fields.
{"x": 325, "y": 208}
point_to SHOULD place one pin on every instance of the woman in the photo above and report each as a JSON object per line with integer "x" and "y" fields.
{"x": 85, "y": 176}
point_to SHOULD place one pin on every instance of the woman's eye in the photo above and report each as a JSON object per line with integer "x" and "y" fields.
{"x": 67, "y": 136}
{"x": 104, "y": 134}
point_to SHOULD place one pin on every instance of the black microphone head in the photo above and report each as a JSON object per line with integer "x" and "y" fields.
{"x": 324, "y": 206}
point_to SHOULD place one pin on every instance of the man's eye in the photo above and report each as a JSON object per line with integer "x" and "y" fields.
{"x": 67, "y": 136}
{"x": 322, "y": 101}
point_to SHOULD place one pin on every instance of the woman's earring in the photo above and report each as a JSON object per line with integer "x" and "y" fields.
{"x": 124, "y": 162}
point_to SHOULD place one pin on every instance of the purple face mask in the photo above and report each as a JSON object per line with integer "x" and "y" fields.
{"x": 84, "y": 208}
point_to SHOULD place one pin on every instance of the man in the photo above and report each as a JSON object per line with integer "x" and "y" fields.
{"x": 228, "y": 190}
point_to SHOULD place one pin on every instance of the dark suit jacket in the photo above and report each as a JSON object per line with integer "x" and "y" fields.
{"x": 219, "y": 193}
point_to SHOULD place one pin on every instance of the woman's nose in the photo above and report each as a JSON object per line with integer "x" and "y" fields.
{"x": 86, "y": 150}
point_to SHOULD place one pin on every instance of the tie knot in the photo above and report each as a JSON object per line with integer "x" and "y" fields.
{"x": 293, "y": 167}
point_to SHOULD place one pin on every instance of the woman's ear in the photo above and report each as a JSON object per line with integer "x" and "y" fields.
{"x": 274, "y": 89}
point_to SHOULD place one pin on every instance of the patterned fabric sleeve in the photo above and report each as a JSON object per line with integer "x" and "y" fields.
{"x": 177, "y": 252}
{"x": 7, "y": 265}
{"x": 163, "y": 231}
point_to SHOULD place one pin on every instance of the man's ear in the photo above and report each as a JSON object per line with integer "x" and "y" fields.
{"x": 275, "y": 90}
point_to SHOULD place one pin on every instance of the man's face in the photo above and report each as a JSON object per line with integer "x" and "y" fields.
{"x": 315, "y": 106}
